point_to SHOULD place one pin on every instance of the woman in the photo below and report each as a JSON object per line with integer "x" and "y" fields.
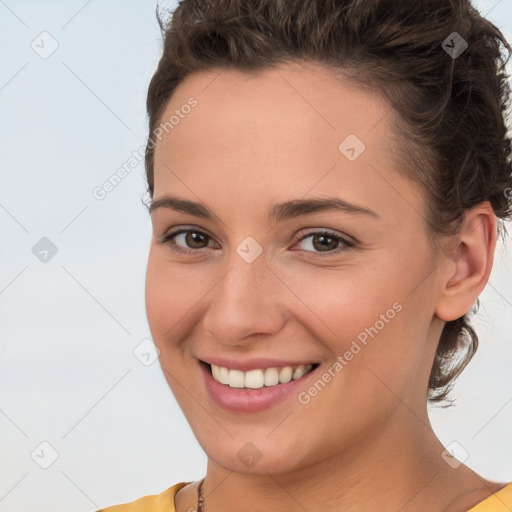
{"x": 328, "y": 180}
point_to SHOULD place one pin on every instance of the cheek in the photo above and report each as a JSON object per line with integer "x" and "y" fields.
{"x": 170, "y": 298}
{"x": 172, "y": 291}
{"x": 374, "y": 316}
{"x": 363, "y": 310}
{"x": 343, "y": 301}
{"x": 165, "y": 305}
{"x": 159, "y": 297}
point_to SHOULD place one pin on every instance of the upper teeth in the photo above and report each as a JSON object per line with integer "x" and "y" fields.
{"x": 258, "y": 378}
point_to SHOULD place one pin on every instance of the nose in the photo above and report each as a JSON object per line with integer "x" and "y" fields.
{"x": 246, "y": 301}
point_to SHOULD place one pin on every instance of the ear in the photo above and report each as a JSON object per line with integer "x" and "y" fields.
{"x": 471, "y": 263}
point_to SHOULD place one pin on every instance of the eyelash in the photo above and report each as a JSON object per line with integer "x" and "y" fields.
{"x": 348, "y": 244}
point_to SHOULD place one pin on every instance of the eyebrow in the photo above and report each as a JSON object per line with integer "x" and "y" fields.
{"x": 277, "y": 212}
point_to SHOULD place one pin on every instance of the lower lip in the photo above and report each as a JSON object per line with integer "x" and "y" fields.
{"x": 250, "y": 400}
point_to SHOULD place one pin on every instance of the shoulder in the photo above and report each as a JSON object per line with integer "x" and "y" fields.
{"x": 163, "y": 502}
{"x": 500, "y": 501}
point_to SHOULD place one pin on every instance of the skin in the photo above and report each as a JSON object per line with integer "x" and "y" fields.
{"x": 364, "y": 443}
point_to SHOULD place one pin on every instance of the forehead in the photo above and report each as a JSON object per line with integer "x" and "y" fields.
{"x": 293, "y": 104}
{"x": 287, "y": 126}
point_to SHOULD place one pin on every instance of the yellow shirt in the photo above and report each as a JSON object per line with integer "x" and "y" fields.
{"x": 164, "y": 502}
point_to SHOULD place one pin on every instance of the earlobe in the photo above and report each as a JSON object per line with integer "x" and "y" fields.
{"x": 471, "y": 263}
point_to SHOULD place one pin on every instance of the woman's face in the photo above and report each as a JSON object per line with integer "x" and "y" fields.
{"x": 352, "y": 288}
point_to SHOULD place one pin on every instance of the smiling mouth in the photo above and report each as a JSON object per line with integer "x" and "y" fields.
{"x": 258, "y": 378}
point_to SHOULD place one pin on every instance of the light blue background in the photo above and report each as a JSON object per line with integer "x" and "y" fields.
{"x": 68, "y": 375}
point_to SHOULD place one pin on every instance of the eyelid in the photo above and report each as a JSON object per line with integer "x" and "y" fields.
{"x": 317, "y": 231}
{"x": 174, "y": 232}
{"x": 348, "y": 242}
{"x": 298, "y": 237}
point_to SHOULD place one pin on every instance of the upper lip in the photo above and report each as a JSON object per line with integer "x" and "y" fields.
{"x": 254, "y": 364}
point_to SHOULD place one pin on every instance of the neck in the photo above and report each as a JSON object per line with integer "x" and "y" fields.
{"x": 398, "y": 467}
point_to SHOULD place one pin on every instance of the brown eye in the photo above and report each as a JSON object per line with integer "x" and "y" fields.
{"x": 187, "y": 241}
{"x": 193, "y": 239}
{"x": 326, "y": 242}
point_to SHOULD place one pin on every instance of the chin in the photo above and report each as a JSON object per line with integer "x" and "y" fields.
{"x": 256, "y": 455}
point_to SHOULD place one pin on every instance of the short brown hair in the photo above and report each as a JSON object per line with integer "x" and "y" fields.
{"x": 451, "y": 128}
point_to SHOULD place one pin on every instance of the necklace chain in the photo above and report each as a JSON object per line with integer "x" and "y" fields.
{"x": 200, "y": 499}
